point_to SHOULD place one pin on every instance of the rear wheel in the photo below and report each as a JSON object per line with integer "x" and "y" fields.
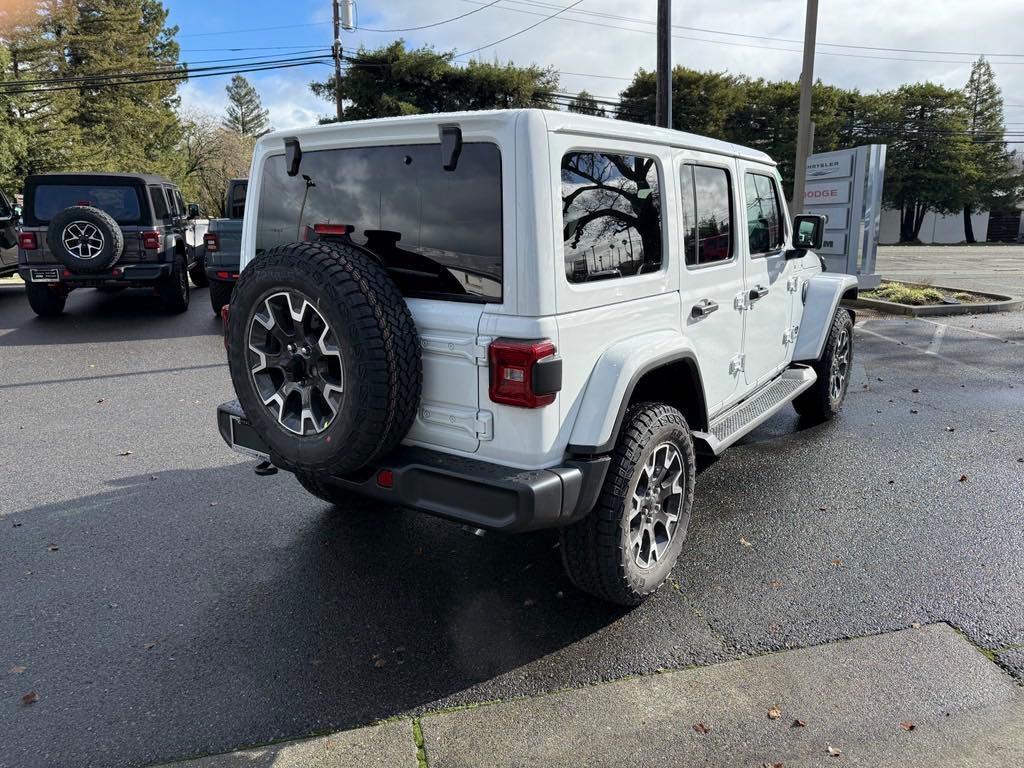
{"x": 46, "y": 300}
{"x": 824, "y": 399}
{"x": 173, "y": 289}
{"x": 626, "y": 547}
{"x": 197, "y": 272}
{"x": 220, "y": 295}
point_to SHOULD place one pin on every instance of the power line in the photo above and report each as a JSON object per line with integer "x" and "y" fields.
{"x": 436, "y": 23}
{"x": 521, "y": 31}
{"x": 255, "y": 29}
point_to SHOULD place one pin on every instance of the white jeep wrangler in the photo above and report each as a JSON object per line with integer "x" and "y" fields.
{"x": 525, "y": 319}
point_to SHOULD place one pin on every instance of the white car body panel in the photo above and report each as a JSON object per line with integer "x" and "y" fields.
{"x": 824, "y": 292}
{"x": 605, "y": 331}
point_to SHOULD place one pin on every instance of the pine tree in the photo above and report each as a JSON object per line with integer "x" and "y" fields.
{"x": 245, "y": 114}
{"x": 584, "y": 103}
{"x": 133, "y": 126}
{"x": 993, "y": 171}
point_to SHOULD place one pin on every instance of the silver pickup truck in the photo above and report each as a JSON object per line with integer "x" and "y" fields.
{"x": 221, "y": 246}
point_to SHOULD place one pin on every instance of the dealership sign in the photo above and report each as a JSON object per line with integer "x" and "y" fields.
{"x": 846, "y": 186}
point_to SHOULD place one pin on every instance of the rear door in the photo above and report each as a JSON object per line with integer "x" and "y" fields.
{"x": 768, "y": 277}
{"x": 712, "y": 274}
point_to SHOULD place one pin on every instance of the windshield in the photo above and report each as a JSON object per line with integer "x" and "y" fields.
{"x": 438, "y": 232}
{"x": 5, "y": 207}
{"x": 121, "y": 202}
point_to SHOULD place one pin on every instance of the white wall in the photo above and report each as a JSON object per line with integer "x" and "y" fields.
{"x": 935, "y": 228}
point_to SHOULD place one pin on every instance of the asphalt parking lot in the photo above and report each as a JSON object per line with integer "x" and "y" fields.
{"x": 164, "y": 602}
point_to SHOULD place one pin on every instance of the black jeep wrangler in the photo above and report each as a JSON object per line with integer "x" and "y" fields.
{"x": 107, "y": 231}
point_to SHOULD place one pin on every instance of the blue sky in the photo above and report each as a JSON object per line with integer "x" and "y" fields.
{"x": 600, "y": 43}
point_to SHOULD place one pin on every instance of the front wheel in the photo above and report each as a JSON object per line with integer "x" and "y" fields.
{"x": 173, "y": 289}
{"x": 197, "y": 272}
{"x": 46, "y": 300}
{"x": 824, "y": 399}
{"x": 626, "y": 547}
{"x": 220, "y": 295}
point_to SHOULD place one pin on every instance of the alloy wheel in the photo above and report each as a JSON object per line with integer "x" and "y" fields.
{"x": 840, "y": 365}
{"x": 295, "y": 363}
{"x": 655, "y": 505}
{"x": 83, "y": 240}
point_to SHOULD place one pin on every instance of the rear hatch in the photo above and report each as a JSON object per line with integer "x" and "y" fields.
{"x": 229, "y": 244}
{"x": 439, "y": 234}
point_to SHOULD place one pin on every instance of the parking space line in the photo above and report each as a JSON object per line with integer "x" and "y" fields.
{"x": 972, "y": 330}
{"x": 952, "y": 360}
{"x": 115, "y": 375}
{"x": 933, "y": 348}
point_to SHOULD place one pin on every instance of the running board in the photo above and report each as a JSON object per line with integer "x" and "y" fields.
{"x": 730, "y": 426}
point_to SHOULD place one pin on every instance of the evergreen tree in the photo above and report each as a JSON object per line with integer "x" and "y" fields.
{"x": 392, "y": 81}
{"x": 993, "y": 174}
{"x": 133, "y": 126}
{"x": 585, "y": 104}
{"x": 245, "y": 114}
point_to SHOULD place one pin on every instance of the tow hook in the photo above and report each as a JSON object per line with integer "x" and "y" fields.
{"x": 265, "y": 469}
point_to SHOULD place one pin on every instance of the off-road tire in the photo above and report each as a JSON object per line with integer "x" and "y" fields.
{"x": 113, "y": 239}
{"x": 595, "y": 550}
{"x": 45, "y": 300}
{"x": 173, "y": 289}
{"x": 197, "y": 273}
{"x": 379, "y": 347}
{"x": 819, "y": 403}
{"x": 220, "y": 295}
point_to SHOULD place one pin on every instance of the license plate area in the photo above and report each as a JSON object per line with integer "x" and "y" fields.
{"x": 44, "y": 275}
{"x": 245, "y": 440}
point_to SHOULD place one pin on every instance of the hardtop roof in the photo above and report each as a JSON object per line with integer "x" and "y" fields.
{"x": 557, "y": 122}
{"x": 101, "y": 177}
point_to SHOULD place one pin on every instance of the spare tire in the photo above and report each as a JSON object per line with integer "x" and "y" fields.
{"x": 324, "y": 356}
{"x": 85, "y": 239}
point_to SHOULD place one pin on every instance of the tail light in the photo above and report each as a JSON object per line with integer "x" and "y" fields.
{"x": 332, "y": 230}
{"x": 212, "y": 242}
{"x": 151, "y": 241}
{"x": 227, "y": 275}
{"x": 27, "y": 241}
{"x": 526, "y": 374}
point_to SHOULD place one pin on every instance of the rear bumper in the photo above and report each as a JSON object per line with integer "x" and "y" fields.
{"x": 132, "y": 274}
{"x": 469, "y": 491}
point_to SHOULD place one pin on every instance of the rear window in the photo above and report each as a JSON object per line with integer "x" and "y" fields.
{"x": 121, "y": 202}
{"x": 438, "y": 232}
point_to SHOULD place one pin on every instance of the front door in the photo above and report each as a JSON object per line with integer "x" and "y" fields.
{"x": 769, "y": 294}
{"x": 712, "y": 273}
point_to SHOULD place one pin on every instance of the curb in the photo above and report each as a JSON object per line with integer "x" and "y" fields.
{"x": 1001, "y": 303}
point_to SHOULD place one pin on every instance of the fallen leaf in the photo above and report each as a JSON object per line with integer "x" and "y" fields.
{"x": 951, "y": 429}
{"x": 1019, "y": 461}
{"x": 18, "y": 525}
{"x": 798, "y": 723}
{"x": 52, "y": 548}
{"x": 702, "y": 728}
{"x": 891, "y": 482}
{"x": 907, "y": 726}
{"x": 775, "y": 584}
{"x": 880, "y": 378}
{"x": 316, "y": 662}
{"x": 915, "y": 390}
{"x": 17, "y": 670}
{"x": 125, "y": 453}
{"x": 149, "y": 646}
{"x": 913, "y": 410}
{"x": 773, "y": 765}
{"x": 838, "y": 563}
{"x": 821, "y": 509}
{"x": 745, "y": 543}
{"x": 528, "y": 602}
{"x": 152, "y": 477}
{"x": 915, "y": 625}
{"x": 963, "y": 478}
{"x": 213, "y": 503}
{"x": 774, "y": 713}
{"x": 834, "y": 751}
{"x": 101, "y": 400}
{"x": 559, "y": 594}
{"x": 29, "y": 698}
{"x": 380, "y": 663}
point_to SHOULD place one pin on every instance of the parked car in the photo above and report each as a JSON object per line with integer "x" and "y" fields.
{"x": 222, "y": 246}
{"x": 8, "y": 236}
{"x": 108, "y": 231}
{"x": 526, "y": 319}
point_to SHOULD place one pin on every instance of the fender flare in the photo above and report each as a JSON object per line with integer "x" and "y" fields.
{"x": 611, "y": 384}
{"x": 824, "y": 292}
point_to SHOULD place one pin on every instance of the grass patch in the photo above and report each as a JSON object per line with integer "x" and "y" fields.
{"x": 901, "y": 293}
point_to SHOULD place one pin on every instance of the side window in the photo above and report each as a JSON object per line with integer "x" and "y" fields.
{"x": 160, "y": 209}
{"x": 707, "y": 214}
{"x": 237, "y": 201}
{"x": 611, "y": 216}
{"x": 172, "y": 201}
{"x": 765, "y": 231}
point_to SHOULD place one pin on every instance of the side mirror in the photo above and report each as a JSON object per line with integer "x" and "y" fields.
{"x": 193, "y": 211}
{"x": 809, "y": 231}
{"x": 451, "y": 146}
{"x": 292, "y": 156}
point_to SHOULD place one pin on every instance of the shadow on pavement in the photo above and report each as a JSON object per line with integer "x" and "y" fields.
{"x": 171, "y": 626}
{"x": 93, "y": 317}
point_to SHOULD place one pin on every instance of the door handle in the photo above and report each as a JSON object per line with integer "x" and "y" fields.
{"x": 758, "y": 292}
{"x": 703, "y": 308}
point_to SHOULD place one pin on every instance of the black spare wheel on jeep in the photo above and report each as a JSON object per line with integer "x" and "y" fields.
{"x": 85, "y": 239}
{"x": 324, "y": 356}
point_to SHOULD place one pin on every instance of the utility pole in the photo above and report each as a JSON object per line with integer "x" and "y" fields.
{"x": 663, "y": 109}
{"x": 806, "y": 89}
{"x": 339, "y": 23}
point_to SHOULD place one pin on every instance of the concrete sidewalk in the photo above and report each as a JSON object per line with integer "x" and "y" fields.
{"x": 915, "y": 697}
{"x": 986, "y": 268}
